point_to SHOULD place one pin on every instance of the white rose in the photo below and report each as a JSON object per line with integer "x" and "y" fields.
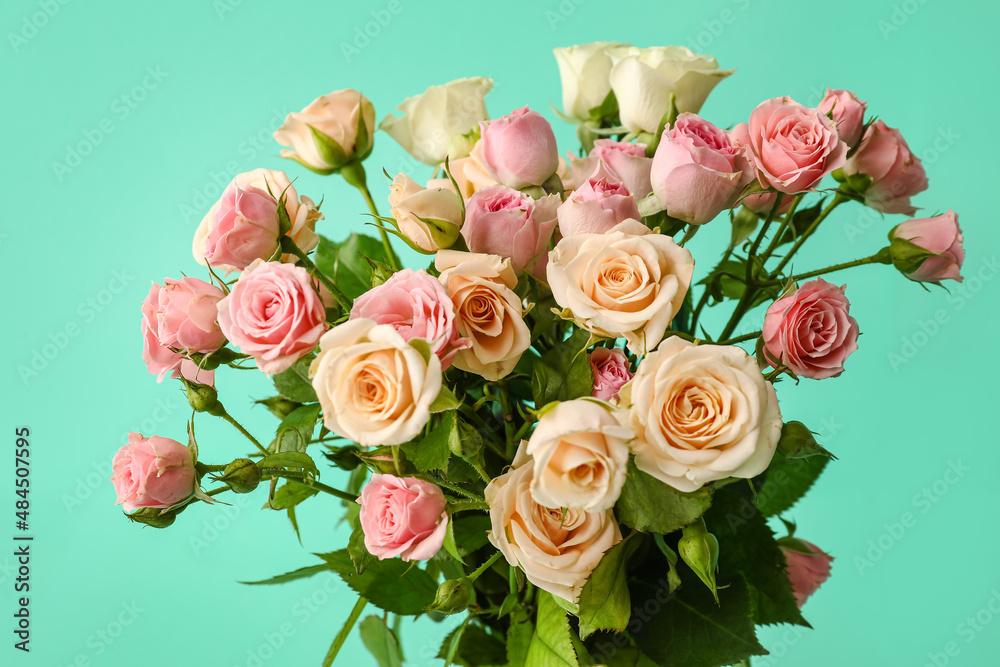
{"x": 580, "y": 454}
{"x": 627, "y": 282}
{"x": 373, "y": 386}
{"x": 436, "y": 124}
{"x": 556, "y": 548}
{"x": 585, "y": 70}
{"x": 701, "y": 413}
{"x": 643, "y": 80}
{"x": 429, "y": 217}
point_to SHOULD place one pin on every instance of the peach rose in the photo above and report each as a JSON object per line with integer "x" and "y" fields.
{"x": 331, "y": 131}
{"x": 430, "y": 218}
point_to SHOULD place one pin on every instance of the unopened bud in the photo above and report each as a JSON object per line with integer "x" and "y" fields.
{"x": 202, "y": 397}
{"x": 700, "y": 550}
{"x": 242, "y": 476}
{"x": 797, "y": 442}
{"x": 152, "y": 516}
{"x": 468, "y": 443}
{"x": 452, "y": 597}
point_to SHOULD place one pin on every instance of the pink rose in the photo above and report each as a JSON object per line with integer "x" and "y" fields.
{"x": 274, "y": 314}
{"x": 807, "y": 572}
{"x": 897, "y": 174}
{"x": 596, "y": 206}
{"x": 402, "y": 516}
{"x": 417, "y": 306}
{"x": 611, "y": 372}
{"x": 848, "y": 113}
{"x": 182, "y": 315}
{"x": 626, "y": 162}
{"x": 244, "y": 228}
{"x": 152, "y": 472}
{"x": 792, "y": 147}
{"x": 697, "y": 171}
{"x": 811, "y": 330}
{"x": 940, "y": 235}
{"x": 505, "y": 222}
{"x": 519, "y": 149}
{"x": 761, "y": 203}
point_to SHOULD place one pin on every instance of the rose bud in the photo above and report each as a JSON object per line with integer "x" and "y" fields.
{"x": 811, "y": 331}
{"x": 402, "y": 516}
{"x": 428, "y": 218}
{"x": 928, "y": 249}
{"x": 584, "y": 70}
{"x": 611, "y": 372}
{"x": 626, "y": 162}
{"x": 848, "y": 113}
{"x": 202, "y": 397}
{"x": 700, "y": 550}
{"x": 245, "y": 228}
{"x": 808, "y": 567}
{"x": 180, "y": 315}
{"x": 153, "y": 517}
{"x": 896, "y": 173}
{"x": 333, "y": 130}
{"x": 505, "y": 222}
{"x": 452, "y": 597}
{"x": 697, "y": 172}
{"x": 599, "y": 204}
{"x": 241, "y": 475}
{"x": 519, "y": 149}
{"x": 152, "y": 472}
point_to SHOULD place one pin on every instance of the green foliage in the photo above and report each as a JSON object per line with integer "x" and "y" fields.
{"x": 381, "y": 642}
{"x": 470, "y": 645}
{"x": 392, "y": 585}
{"x": 551, "y": 645}
{"x": 294, "y": 383}
{"x": 296, "y": 430}
{"x": 433, "y": 450}
{"x": 290, "y": 494}
{"x": 519, "y": 635}
{"x": 347, "y": 262}
{"x": 604, "y": 602}
{"x": 563, "y": 373}
{"x": 295, "y": 575}
{"x": 649, "y": 505}
{"x": 786, "y": 481}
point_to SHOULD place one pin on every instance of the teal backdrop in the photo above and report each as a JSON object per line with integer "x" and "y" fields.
{"x": 124, "y": 120}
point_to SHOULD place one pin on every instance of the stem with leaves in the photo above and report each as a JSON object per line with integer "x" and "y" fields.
{"x": 354, "y": 174}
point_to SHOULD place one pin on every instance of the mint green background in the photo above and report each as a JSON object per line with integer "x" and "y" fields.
{"x": 233, "y": 68}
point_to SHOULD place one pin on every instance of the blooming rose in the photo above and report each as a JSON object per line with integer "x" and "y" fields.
{"x": 811, "y": 330}
{"x": 697, "y": 172}
{"x": 793, "y": 147}
{"x": 152, "y": 472}
{"x": 429, "y": 217}
{"x": 487, "y": 311}
{"x": 611, "y": 371}
{"x": 897, "y": 174}
{"x": 417, "y": 306}
{"x": 556, "y": 548}
{"x": 580, "y": 454}
{"x": 848, "y": 113}
{"x": 940, "y": 235}
{"x": 807, "y": 572}
{"x": 599, "y": 204}
{"x": 244, "y": 228}
{"x": 274, "y": 314}
{"x": 701, "y": 413}
{"x": 505, "y": 222}
{"x": 442, "y": 121}
{"x": 519, "y": 149}
{"x": 374, "y": 387}
{"x": 585, "y": 70}
{"x": 402, "y": 516}
{"x": 643, "y": 80}
{"x": 182, "y": 315}
{"x": 626, "y": 162}
{"x": 627, "y": 282}
{"x": 333, "y": 130}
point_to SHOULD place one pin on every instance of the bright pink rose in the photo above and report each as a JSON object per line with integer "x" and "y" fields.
{"x": 402, "y": 516}
{"x": 811, "y": 330}
{"x": 152, "y": 472}
{"x": 244, "y": 228}
{"x": 182, "y": 315}
{"x": 940, "y": 235}
{"x": 274, "y": 314}
{"x": 807, "y": 572}
{"x": 505, "y": 222}
{"x": 848, "y": 113}
{"x": 626, "y": 162}
{"x": 611, "y": 372}
{"x": 519, "y": 149}
{"x": 762, "y": 203}
{"x": 599, "y": 204}
{"x": 417, "y": 306}
{"x": 897, "y": 174}
{"x": 793, "y": 147}
{"x": 697, "y": 172}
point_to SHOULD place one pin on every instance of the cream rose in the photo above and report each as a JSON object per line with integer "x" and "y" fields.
{"x": 556, "y": 548}
{"x": 627, "y": 282}
{"x": 584, "y": 70}
{"x": 429, "y": 217}
{"x": 375, "y": 388}
{"x": 701, "y": 413}
{"x": 580, "y": 455}
{"x": 487, "y": 311}
{"x": 331, "y": 131}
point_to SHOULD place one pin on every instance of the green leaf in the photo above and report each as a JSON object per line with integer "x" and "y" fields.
{"x": 392, "y": 585}
{"x": 797, "y": 442}
{"x": 357, "y": 550}
{"x": 449, "y": 544}
{"x": 786, "y": 481}
{"x": 295, "y": 575}
{"x": 473, "y": 646}
{"x": 471, "y": 532}
{"x": 649, "y": 505}
{"x": 381, "y": 642}
{"x": 519, "y": 636}
{"x": 802, "y": 219}
{"x": 433, "y": 450}
{"x": 624, "y": 656}
{"x": 289, "y": 460}
{"x": 329, "y": 150}
{"x": 551, "y": 645}
{"x": 296, "y": 429}
{"x": 446, "y": 400}
{"x": 689, "y": 629}
{"x": 744, "y": 224}
{"x": 381, "y": 271}
{"x": 290, "y": 494}
{"x": 563, "y": 373}
{"x": 604, "y": 600}
{"x": 347, "y": 262}
{"x": 294, "y": 383}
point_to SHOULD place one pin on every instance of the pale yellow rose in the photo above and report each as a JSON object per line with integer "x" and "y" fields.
{"x": 345, "y": 117}
{"x": 429, "y": 217}
{"x": 585, "y": 70}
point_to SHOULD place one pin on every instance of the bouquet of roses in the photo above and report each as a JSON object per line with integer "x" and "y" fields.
{"x": 538, "y": 433}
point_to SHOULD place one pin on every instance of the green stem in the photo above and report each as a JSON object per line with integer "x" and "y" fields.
{"x": 289, "y": 246}
{"x": 485, "y": 566}
{"x": 341, "y": 637}
{"x": 739, "y": 339}
{"x": 462, "y": 505}
{"x": 838, "y": 199}
{"x": 508, "y": 420}
{"x": 452, "y": 487}
{"x": 215, "y": 492}
{"x": 305, "y": 479}
{"x": 874, "y": 259}
{"x": 478, "y": 467}
{"x": 785, "y": 221}
{"x": 239, "y": 427}
{"x": 704, "y": 297}
{"x": 763, "y": 232}
{"x": 354, "y": 173}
